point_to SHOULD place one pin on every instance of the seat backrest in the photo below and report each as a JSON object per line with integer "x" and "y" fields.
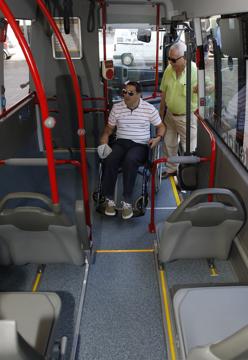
{"x": 36, "y": 235}
{"x": 201, "y": 229}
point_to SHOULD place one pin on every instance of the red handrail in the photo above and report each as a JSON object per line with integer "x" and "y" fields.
{"x": 211, "y": 159}
{"x": 213, "y": 150}
{"x": 41, "y": 97}
{"x": 105, "y": 82}
{"x": 81, "y": 130}
{"x": 157, "y": 51}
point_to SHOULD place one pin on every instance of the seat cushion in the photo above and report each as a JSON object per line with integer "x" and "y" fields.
{"x": 209, "y": 314}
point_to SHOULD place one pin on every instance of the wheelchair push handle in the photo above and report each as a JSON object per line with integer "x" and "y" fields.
{"x": 184, "y": 159}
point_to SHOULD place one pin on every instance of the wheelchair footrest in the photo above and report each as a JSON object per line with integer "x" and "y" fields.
{"x": 136, "y": 212}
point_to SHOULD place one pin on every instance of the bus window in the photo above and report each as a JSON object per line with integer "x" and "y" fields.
{"x": 133, "y": 59}
{"x": 225, "y": 51}
{"x": 16, "y": 73}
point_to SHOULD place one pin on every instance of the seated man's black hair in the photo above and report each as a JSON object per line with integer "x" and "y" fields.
{"x": 136, "y": 84}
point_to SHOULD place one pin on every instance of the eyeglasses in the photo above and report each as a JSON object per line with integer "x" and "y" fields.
{"x": 175, "y": 60}
{"x": 126, "y": 92}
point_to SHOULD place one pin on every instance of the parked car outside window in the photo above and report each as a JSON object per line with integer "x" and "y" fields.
{"x": 8, "y": 49}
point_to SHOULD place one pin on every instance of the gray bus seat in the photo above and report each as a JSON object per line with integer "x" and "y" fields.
{"x": 27, "y": 325}
{"x": 212, "y": 322}
{"x": 35, "y": 235}
{"x": 201, "y": 229}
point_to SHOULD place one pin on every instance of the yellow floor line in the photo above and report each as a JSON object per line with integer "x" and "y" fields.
{"x": 168, "y": 318}
{"x": 37, "y": 281}
{"x": 126, "y": 251}
{"x": 175, "y": 192}
{"x": 213, "y": 272}
{"x": 163, "y": 284}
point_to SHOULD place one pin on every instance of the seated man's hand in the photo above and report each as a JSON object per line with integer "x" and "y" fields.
{"x": 154, "y": 142}
{"x": 103, "y": 151}
{"x": 104, "y": 139}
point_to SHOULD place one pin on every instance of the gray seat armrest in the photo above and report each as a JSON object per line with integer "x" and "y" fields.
{"x": 235, "y": 347}
{"x": 36, "y": 316}
{"x": 82, "y": 230}
{"x": 12, "y": 344}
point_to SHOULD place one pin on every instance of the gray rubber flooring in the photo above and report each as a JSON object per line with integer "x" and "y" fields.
{"x": 17, "y": 278}
{"x": 66, "y": 281}
{"x": 122, "y": 314}
{"x": 196, "y": 272}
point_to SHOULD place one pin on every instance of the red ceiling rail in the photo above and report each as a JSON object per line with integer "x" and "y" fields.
{"x": 41, "y": 98}
{"x": 81, "y": 130}
{"x": 102, "y": 4}
{"x": 157, "y": 50}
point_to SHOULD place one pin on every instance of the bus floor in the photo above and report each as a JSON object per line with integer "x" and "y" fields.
{"x": 122, "y": 316}
{"x": 65, "y": 280}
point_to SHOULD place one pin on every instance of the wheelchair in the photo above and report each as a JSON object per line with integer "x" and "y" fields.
{"x": 141, "y": 201}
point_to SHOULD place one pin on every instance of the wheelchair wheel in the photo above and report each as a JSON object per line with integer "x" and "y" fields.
{"x": 158, "y": 176}
{"x": 141, "y": 204}
{"x": 98, "y": 198}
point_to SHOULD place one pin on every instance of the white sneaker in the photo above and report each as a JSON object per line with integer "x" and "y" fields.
{"x": 127, "y": 210}
{"x": 110, "y": 209}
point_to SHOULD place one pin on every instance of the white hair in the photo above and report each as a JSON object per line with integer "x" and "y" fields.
{"x": 179, "y": 47}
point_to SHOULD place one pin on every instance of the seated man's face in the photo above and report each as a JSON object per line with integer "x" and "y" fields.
{"x": 130, "y": 95}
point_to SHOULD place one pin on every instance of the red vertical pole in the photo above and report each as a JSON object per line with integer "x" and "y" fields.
{"x": 41, "y": 97}
{"x": 81, "y": 130}
{"x": 105, "y": 83}
{"x": 152, "y": 227}
{"x": 157, "y": 50}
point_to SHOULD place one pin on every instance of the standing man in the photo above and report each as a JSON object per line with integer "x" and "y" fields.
{"x": 173, "y": 101}
{"x": 132, "y": 118}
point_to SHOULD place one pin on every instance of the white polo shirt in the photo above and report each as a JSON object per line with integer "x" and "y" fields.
{"x": 134, "y": 124}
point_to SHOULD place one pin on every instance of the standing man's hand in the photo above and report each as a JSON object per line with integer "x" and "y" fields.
{"x": 162, "y": 106}
{"x": 195, "y": 89}
{"x": 154, "y": 142}
{"x": 160, "y": 130}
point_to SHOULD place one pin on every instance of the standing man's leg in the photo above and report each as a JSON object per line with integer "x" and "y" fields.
{"x": 193, "y": 132}
{"x": 181, "y": 129}
{"x": 135, "y": 157}
{"x": 171, "y": 141}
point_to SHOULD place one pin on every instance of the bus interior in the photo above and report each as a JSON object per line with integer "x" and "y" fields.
{"x": 170, "y": 283}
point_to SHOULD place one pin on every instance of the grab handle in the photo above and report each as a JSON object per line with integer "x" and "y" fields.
{"x": 30, "y": 195}
{"x": 211, "y": 191}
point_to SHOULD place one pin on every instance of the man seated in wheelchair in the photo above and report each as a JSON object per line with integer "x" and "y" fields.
{"x": 132, "y": 118}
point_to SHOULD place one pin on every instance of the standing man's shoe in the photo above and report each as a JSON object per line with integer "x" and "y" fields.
{"x": 127, "y": 210}
{"x": 166, "y": 174}
{"x": 110, "y": 209}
